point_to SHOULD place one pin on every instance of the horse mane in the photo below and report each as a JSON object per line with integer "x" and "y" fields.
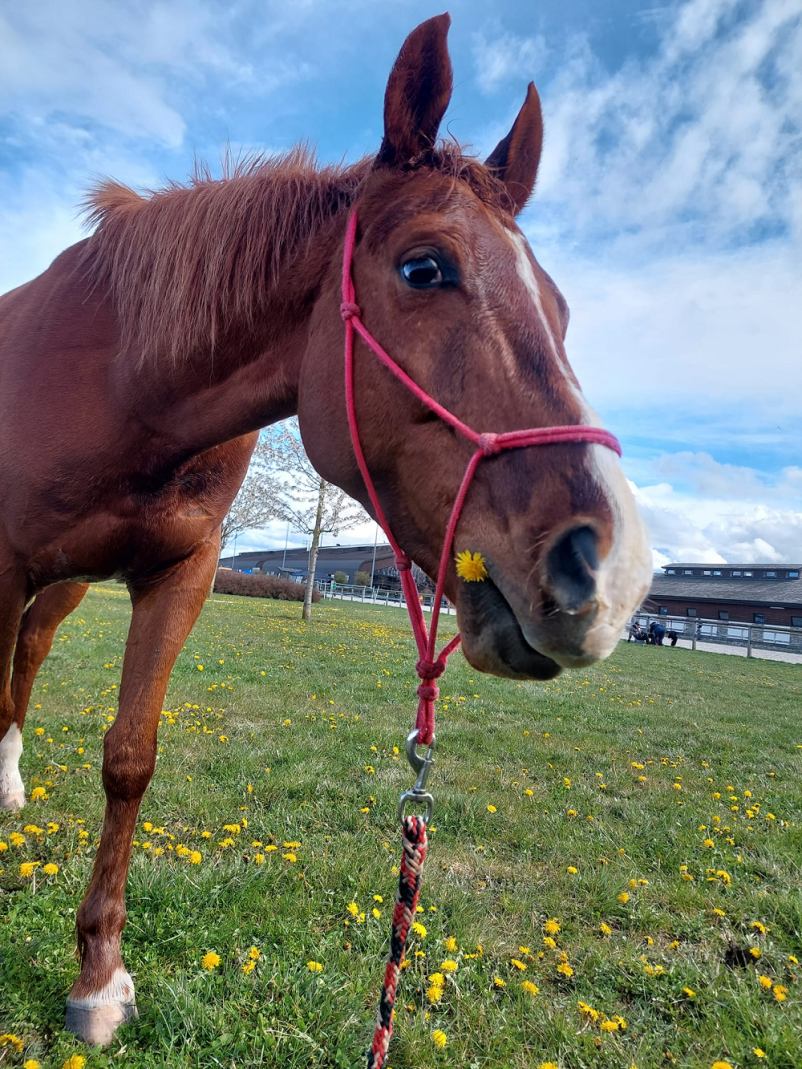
{"x": 184, "y": 262}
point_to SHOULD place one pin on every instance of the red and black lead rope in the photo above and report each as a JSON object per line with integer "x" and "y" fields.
{"x": 414, "y": 843}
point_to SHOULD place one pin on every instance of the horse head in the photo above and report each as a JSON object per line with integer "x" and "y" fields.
{"x": 448, "y": 284}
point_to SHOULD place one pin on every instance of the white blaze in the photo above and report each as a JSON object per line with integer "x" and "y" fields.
{"x": 12, "y": 789}
{"x": 624, "y": 576}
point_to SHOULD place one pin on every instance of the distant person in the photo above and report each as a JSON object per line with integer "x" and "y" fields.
{"x": 659, "y": 633}
{"x": 698, "y": 630}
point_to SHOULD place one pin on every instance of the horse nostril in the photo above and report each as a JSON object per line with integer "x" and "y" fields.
{"x": 570, "y": 564}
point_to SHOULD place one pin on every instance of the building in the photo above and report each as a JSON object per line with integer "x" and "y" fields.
{"x": 294, "y": 561}
{"x": 746, "y": 593}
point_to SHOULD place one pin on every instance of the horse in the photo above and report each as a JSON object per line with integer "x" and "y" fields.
{"x": 137, "y": 370}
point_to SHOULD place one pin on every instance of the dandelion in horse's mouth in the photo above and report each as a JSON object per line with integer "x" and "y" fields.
{"x": 471, "y": 566}
{"x": 210, "y": 961}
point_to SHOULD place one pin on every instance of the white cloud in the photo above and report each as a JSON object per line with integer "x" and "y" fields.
{"x": 506, "y": 57}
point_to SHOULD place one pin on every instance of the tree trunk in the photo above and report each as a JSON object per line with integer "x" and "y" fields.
{"x": 310, "y": 575}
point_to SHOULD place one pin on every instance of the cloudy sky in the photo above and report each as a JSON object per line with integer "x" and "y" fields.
{"x": 669, "y": 204}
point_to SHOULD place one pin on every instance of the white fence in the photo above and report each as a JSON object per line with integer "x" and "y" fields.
{"x": 728, "y": 632}
{"x": 691, "y": 629}
{"x": 373, "y": 596}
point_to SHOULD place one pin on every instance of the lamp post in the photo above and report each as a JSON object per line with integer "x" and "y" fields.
{"x": 373, "y": 565}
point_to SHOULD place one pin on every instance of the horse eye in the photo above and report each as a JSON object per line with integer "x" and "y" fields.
{"x": 421, "y": 272}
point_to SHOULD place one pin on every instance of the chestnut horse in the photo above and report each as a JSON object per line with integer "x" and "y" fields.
{"x": 136, "y": 372}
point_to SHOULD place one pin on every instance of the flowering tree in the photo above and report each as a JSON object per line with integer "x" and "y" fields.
{"x": 255, "y": 505}
{"x": 303, "y": 498}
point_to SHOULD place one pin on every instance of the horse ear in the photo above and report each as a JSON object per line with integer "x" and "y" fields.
{"x": 418, "y": 92}
{"x": 515, "y": 159}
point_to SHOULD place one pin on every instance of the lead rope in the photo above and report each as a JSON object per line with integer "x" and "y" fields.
{"x": 430, "y": 666}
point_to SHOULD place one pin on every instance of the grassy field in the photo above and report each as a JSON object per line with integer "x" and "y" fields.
{"x": 614, "y": 868}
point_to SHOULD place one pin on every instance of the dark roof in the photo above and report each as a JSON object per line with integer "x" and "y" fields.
{"x": 785, "y": 592}
{"x": 771, "y": 566}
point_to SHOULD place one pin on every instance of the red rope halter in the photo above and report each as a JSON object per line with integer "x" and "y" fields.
{"x": 430, "y": 665}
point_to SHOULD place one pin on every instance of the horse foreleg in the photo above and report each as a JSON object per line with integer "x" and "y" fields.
{"x": 12, "y": 603}
{"x": 164, "y": 611}
{"x": 39, "y": 625}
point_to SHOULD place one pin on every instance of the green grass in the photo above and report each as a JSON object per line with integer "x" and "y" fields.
{"x": 293, "y": 728}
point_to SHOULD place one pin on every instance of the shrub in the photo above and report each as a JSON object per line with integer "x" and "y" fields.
{"x": 260, "y": 586}
{"x": 362, "y": 578}
{"x": 340, "y": 577}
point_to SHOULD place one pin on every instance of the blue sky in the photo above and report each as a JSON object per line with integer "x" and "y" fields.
{"x": 669, "y": 204}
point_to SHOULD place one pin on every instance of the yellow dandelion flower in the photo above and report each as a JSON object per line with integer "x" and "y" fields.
{"x": 780, "y": 992}
{"x": 498, "y": 982}
{"x": 605, "y": 929}
{"x": 755, "y": 952}
{"x": 491, "y": 809}
{"x": 758, "y": 1053}
{"x": 434, "y": 993}
{"x": 50, "y": 870}
{"x": 573, "y": 870}
{"x": 314, "y": 966}
{"x": 210, "y": 961}
{"x": 258, "y": 859}
{"x": 471, "y": 566}
{"x": 565, "y": 969}
{"x": 449, "y": 966}
{"x": 721, "y": 1065}
{"x": 551, "y": 927}
{"x": 27, "y": 868}
{"x": 450, "y": 944}
{"x": 518, "y": 964}
{"x": 766, "y": 982}
{"x": 437, "y": 978}
{"x": 529, "y": 987}
{"x": 419, "y": 929}
{"x": 30, "y": 1064}
{"x": 75, "y": 1061}
{"x": 12, "y": 1040}
{"x": 548, "y": 1065}
{"x": 37, "y": 793}
{"x": 549, "y": 942}
{"x": 689, "y": 992}
{"x": 623, "y": 898}
{"x": 609, "y": 1026}
{"x": 439, "y": 1038}
{"x": 254, "y": 954}
{"x": 248, "y": 967}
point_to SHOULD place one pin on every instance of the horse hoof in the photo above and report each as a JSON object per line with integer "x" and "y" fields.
{"x": 12, "y": 800}
{"x": 96, "y": 1017}
{"x": 97, "y": 1024}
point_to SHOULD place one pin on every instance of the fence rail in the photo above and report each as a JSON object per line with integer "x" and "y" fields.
{"x": 728, "y": 632}
{"x": 373, "y": 595}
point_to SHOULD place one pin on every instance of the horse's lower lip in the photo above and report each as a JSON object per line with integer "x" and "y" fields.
{"x": 492, "y": 638}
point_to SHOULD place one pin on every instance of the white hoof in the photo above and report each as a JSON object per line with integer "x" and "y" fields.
{"x": 95, "y": 1018}
{"x": 12, "y": 800}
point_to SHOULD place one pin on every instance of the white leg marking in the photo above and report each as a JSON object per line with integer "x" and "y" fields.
{"x": 12, "y": 789}
{"x": 118, "y": 991}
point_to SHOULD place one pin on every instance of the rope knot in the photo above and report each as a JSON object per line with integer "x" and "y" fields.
{"x": 430, "y": 692}
{"x": 489, "y": 444}
{"x": 403, "y": 564}
{"x": 349, "y": 310}
{"x": 429, "y": 669}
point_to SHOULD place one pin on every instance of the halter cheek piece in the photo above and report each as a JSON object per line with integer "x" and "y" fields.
{"x": 430, "y": 665}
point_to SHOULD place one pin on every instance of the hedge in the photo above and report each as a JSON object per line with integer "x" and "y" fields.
{"x": 260, "y": 586}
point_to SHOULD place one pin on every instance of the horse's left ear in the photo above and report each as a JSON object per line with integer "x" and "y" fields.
{"x": 418, "y": 93}
{"x": 515, "y": 159}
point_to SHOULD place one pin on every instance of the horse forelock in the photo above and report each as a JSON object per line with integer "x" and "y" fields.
{"x": 186, "y": 263}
